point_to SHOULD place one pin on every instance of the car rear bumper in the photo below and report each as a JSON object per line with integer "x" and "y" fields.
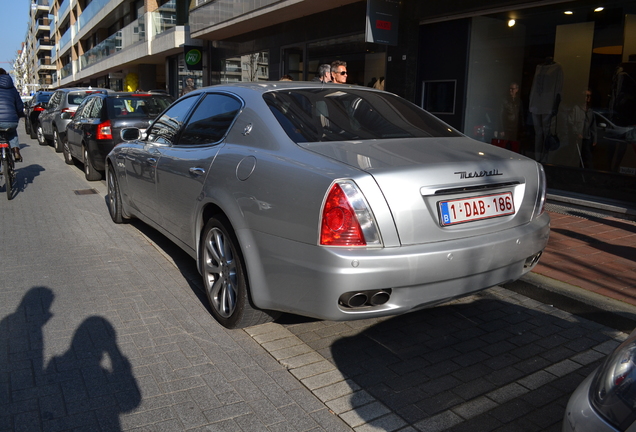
{"x": 309, "y": 279}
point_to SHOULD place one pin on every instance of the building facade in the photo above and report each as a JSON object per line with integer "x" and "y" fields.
{"x": 34, "y": 61}
{"x": 119, "y": 44}
{"x": 568, "y": 63}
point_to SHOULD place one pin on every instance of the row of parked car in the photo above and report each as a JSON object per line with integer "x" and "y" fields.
{"x": 84, "y": 123}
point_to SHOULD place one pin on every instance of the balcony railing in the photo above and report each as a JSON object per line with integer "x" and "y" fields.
{"x": 46, "y": 61}
{"x": 44, "y": 42}
{"x": 164, "y": 18}
{"x": 66, "y": 70}
{"x": 161, "y": 20}
{"x": 63, "y": 8}
{"x": 65, "y": 39}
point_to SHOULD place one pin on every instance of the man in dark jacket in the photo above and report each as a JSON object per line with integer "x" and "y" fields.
{"x": 11, "y": 109}
{"x": 324, "y": 74}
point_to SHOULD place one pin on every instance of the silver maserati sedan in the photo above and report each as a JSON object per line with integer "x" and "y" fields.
{"x": 331, "y": 201}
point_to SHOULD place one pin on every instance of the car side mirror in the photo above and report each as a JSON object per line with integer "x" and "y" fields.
{"x": 130, "y": 134}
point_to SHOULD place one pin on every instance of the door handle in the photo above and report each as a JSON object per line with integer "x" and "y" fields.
{"x": 151, "y": 161}
{"x": 196, "y": 171}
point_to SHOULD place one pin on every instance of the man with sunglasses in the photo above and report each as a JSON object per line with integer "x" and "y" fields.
{"x": 339, "y": 72}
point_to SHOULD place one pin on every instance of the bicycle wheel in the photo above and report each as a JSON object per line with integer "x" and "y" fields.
{"x": 8, "y": 177}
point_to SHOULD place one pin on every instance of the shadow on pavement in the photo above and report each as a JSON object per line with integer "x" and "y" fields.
{"x": 474, "y": 365}
{"x": 26, "y": 175}
{"x": 86, "y": 388}
{"x": 184, "y": 262}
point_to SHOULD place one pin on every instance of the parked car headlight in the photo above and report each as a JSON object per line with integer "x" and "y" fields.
{"x": 613, "y": 390}
{"x": 539, "y": 205}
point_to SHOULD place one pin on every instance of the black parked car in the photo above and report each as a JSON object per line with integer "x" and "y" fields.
{"x": 32, "y": 110}
{"x": 95, "y": 128}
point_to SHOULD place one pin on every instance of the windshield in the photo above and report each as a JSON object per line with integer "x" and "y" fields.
{"x": 314, "y": 115}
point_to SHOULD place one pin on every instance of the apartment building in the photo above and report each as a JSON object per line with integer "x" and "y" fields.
{"x": 120, "y": 44}
{"x": 457, "y": 59}
{"x": 34, "y": 67}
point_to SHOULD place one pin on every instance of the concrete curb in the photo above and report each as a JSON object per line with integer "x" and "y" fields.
{"x": 578, "y": 301}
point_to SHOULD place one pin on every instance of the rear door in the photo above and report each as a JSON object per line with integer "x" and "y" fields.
{"x": 183, "y": 167}
{"x": 47, "y": 116}
{"x": 74, "y": 130}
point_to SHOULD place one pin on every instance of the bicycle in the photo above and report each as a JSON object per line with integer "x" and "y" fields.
{"x": 8, "y": 163}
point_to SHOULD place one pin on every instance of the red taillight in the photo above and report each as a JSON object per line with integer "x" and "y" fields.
{"x": 104, "y": 131}
{"x": 340, "y": 226}
{"x": 38, "y": 108}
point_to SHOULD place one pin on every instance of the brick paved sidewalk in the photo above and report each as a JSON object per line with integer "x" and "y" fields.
{"x": 592, "y": 252}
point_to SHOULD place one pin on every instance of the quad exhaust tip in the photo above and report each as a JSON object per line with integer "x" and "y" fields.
{"x": 360, "y": 299}
{"x": 532, "y": 260}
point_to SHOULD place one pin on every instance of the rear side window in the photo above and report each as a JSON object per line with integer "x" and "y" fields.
{"x": 211, "y": 120}
{"x": 165, "y": 128}
{"x": 96, "y": 108}
{"x": 43, "y": 98}
{"x": 75, "y": 98}
{"x": 313, "y": 115}
{"x": 83, "y": 110}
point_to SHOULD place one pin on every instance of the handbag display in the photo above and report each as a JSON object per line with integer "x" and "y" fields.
{"x": 552, "y": 142}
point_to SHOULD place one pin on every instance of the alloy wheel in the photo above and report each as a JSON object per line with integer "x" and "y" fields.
{"x": 221, "y": 275}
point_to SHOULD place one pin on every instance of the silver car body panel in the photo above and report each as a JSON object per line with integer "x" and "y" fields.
{"x": 272, "y": 190}
{"x": 309, "y": 279}
{"x": 581, "y": 417}
{"x": 405, "y": 169}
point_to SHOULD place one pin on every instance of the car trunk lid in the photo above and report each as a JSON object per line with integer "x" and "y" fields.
{"x": 425, "y": 180}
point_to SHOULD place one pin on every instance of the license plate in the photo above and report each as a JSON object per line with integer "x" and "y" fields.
{"x": 476, "y": 208}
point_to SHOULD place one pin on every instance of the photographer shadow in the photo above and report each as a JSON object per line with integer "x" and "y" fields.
{"x": 86, "y": 388}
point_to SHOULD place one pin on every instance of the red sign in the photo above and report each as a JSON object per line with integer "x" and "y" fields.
{"x": 383, "y": 25}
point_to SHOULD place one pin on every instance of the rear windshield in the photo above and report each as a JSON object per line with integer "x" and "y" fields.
{"x": 137, "y": 106}
{"x": 313, "y": 115}
{"x": 76, "y": 98}
{"x": 43, "y": 97}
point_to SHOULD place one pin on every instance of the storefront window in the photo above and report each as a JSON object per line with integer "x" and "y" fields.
{"x": 188, "y": 80}
{"x": 247, "y": 67}
{"x": 564, "y": 73}
{"x": 366, "y": 62}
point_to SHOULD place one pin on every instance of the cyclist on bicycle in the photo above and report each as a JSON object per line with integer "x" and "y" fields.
{"x": 11, "y": 109}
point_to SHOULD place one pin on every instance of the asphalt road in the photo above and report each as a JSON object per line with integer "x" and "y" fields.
{"x": 105, "y": 327}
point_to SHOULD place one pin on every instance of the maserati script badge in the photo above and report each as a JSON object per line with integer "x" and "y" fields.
{"x": 475, "y": 174}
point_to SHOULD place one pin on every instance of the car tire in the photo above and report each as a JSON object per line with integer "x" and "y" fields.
{"x": 66, "y": 151}
{"x": 40, "y": 136}
{"x": 114, "y": 197}
{"x": 90, "y": 172}
{"x": 225, "y": 278}
{"x": 33, "y": 131}
{"x": 57, "y": 141}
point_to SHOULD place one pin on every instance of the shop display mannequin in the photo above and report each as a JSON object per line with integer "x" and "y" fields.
{"x": 545, "y": 97}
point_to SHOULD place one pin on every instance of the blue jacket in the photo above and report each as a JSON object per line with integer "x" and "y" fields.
{"x": 11, "y": 106}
